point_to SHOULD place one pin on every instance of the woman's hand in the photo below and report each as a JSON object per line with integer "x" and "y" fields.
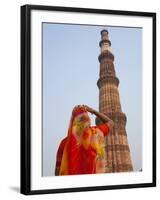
{"x": 89, "y": 109}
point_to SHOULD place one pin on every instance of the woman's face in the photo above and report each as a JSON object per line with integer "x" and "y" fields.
{"x": 82, "y": 119}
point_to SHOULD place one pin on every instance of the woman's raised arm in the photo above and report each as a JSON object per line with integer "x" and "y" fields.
{"x": 103, "y": 117}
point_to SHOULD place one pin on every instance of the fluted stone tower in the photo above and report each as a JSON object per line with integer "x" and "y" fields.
{"x": 117, "y": 149}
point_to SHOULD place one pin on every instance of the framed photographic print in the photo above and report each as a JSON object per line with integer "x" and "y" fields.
{"x": 88, "y": 99}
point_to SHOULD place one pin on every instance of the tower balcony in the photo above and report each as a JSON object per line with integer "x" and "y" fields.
{"x": 105, "y": 40}
{"x": 107, "y": 79}
{"x": 106, "y": 54}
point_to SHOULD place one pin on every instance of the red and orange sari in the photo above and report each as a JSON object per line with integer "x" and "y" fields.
{"x": 82, "y": 151}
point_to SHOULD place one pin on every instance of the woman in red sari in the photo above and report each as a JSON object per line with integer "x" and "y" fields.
{"x": 82, "y": 151}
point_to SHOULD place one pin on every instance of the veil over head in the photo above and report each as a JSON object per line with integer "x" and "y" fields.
{"x": 83, "y": 147}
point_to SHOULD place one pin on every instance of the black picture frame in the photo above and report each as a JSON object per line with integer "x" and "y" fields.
{"x": 25, "y": 182}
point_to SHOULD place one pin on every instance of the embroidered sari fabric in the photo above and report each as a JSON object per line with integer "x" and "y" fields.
{"x": 82, "y": 151}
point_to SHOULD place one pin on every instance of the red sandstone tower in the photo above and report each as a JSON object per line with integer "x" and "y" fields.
{"x": 117, "y": 149}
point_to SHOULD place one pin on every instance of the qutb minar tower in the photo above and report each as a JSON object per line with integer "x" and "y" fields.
{"x": 117, "y": 149}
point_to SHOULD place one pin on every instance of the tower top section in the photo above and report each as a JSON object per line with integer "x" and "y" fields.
{"x": 105, "y": 43}
{"x": 104, "y": 31}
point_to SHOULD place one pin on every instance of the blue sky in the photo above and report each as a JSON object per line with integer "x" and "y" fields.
{"x": 70, "y": 74}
